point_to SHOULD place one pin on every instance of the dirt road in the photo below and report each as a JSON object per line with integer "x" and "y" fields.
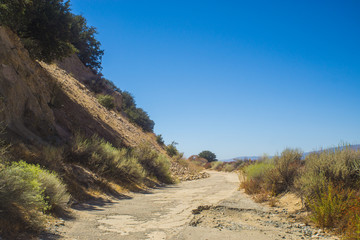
{"x": 209, "y": 208}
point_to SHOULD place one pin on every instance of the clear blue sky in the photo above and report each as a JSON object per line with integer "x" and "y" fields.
{"x": 238, "y": 78}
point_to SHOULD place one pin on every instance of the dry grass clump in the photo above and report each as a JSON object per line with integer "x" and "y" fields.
{"x": 272, "y": 176}
{"x": 330, "y": 185}
{"x": 328, "y": 182}
{"x": 340, "y": 167}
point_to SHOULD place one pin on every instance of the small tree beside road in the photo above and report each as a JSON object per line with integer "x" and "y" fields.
{"x": 209, "y": 156}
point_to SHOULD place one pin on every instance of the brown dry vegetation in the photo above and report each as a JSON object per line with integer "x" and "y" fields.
{"x": 326, "y": 181}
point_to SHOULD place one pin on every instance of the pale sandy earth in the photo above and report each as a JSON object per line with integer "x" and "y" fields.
{"x": 166, "y": 213}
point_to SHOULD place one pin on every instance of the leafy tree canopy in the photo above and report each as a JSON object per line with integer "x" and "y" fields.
{"x": 83, "y": 38}
{"x": 209, "y": 156}
{"x": 49, "y": 31}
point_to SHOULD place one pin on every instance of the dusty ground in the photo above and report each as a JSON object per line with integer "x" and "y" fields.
{"x": 210, "y": 208}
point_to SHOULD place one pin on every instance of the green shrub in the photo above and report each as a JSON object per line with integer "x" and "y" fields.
{"x": 107, "y": 101}
{"x": 256, "y": 177}
{"x": 171, "y": 149}
{"x": 328, "y": 207}
{"x": 136, "y": 115}
{"x": 55, "y": 191}
{"x": 140, "y": 118}
{"x": 337, "y": 208}
{"x": 160, "y": 140}
{"x": 155, "y": 165}
{"x": 26, "y": 193}
{"x": 103, "y": 158}
{"x": 258, "y": 170}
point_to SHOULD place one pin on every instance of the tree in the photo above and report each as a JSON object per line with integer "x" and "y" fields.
{"x": 83, "y": 38}
{"x": 49, "y": 31}
{"x": 171, "y": 149}
{"x": 209, "y": 156}
{"x": 160, "y": 140}
{"x": 43, "y": 26}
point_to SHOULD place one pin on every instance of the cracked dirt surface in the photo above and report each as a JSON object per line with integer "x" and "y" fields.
{"x": 210, "y": 208}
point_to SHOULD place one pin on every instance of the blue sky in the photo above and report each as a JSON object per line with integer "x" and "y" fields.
{"x": 238, "y": 78}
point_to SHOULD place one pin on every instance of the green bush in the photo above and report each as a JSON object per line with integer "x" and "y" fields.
{"x": 103, "y": 158}
{"x": 140, "y": 118}
{"x": 107, "y": 101}
{"x": 329, "y": 207}
{"x": 171, "y": 149}
{"x": 155, "y": 165}
{"x": 136, "y": 115}
{"x": 26, "y": 193}
{"x": 258, "y": 170}
{"x": 55, "y": 191}
{"x": 160, "y": 140}
{"x": 121, "y": 164}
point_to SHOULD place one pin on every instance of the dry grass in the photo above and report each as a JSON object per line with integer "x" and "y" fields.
{"x": 327, "y": 180}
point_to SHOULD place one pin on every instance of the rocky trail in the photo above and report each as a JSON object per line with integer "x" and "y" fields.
{"x": 210, "y": 208}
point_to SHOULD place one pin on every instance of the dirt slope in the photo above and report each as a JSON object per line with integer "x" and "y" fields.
{"x": 43, "y": 103}
{"x": 77, "y": 108}
{"x": 25, "y": 91}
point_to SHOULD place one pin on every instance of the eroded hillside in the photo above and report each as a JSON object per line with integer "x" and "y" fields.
{"x": 45, "y": 103}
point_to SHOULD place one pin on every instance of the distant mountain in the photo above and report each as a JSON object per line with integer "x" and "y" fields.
{"x": 242, "y": 158}
{"x": 355, "y": 147}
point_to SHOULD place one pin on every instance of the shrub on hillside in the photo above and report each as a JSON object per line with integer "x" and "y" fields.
{"x": 136, "y": 115}
{"x": 160, "y": 140}
{"x": 140, "y": 118}
{"x": 171, "y": 149}
{"x": 103, "y": 158}
{"x": 26, "y": 192}
{"x": 155, "y": 165}
{"x": 106, "y": 100}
